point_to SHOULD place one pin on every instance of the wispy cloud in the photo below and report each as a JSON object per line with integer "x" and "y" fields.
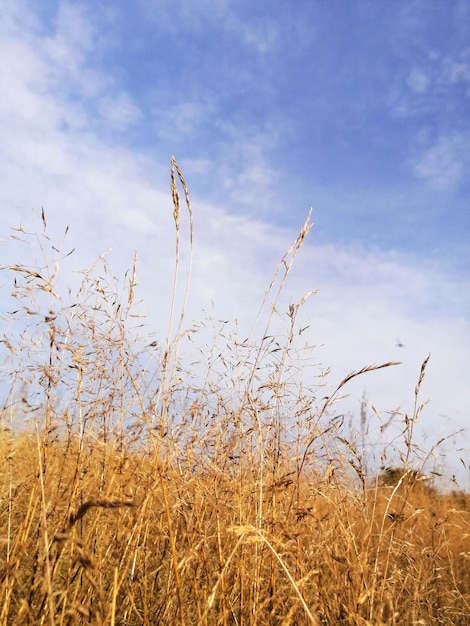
{"x": 120, "y": 111}
{"x": 431, "y": 86}
{"x": 456, "y": 71}
{"x": 418, "y": 80}
{"x": 446, "y": 163}
{"x": 178, "y": 118}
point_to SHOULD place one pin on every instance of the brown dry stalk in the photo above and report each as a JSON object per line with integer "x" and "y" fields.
{"x": 104, "y": 504}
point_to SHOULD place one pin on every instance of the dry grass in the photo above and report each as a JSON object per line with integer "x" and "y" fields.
{"x": 220, "y": 489}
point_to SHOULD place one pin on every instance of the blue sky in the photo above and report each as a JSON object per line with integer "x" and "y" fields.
{"x": 359, "y": 109}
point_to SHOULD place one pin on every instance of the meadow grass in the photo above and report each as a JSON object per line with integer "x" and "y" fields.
{"x": 199, "y": 483}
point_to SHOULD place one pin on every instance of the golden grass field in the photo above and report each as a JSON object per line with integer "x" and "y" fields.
{"x": 207, "y": 485}
{"x": 98, "y": 535}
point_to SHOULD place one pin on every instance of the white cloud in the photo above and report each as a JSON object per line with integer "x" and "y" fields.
{"x": 260, "y": 35}
{"x": 198, "y": 166}
{"x": 72, "y": 40}
{"x": 430, "y": 84}
{"x": 263, "y": 36}
{"x": 445, "y": 164}
{"x": 418, "y": 81}
{"x": 455, "y": 71}
{"x": 120, "y": 111}
{"x": 178, "y": 119}
{"x": 186, "y": 15}
{"x": 243, "y": 168}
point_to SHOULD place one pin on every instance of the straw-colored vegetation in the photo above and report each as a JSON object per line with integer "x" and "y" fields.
{"x": 204, "y": 481}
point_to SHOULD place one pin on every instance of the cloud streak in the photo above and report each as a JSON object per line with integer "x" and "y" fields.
{"x": 446, "y": 164}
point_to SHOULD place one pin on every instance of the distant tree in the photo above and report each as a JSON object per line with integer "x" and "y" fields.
{"x": 391, "y": 476}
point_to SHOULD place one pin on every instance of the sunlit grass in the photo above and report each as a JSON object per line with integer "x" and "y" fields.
{"x": 139, "y": 486}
